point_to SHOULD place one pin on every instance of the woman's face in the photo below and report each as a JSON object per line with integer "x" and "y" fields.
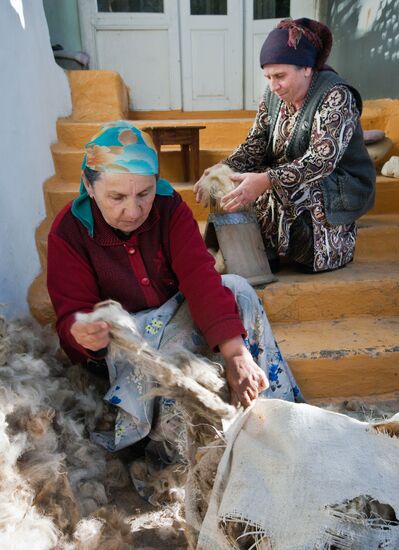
{"x": 289, "y": 82}
{"x": 125, "y": 200}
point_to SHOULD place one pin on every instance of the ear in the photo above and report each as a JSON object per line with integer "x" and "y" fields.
{"x": 308, "y": 71}
{"x": 88, "y": 187}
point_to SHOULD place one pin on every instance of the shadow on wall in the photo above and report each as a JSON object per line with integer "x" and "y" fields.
{"x": 366, "y": 45}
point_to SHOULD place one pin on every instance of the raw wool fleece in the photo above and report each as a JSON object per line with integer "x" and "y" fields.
{"x": 216, "y": 183}
{"x": 296, "y": 477}
{"x": 51, "y": 475}
{"x": 201, "y": 395}
{"x": 196, "y": 383}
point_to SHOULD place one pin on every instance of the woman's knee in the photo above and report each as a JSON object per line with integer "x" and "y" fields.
{"x": 242, "y": 290}
{"x": 236, "y": 283}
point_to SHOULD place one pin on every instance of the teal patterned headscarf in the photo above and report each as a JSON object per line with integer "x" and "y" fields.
{"x": 118, "y": 148}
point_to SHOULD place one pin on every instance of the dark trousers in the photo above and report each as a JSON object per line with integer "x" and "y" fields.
{"x": 301, "y": 248}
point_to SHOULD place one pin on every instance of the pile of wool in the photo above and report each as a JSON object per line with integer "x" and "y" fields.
{"x": 201, "y": 393}
{"x": 54, "y": 482}
{"x": 56, "y": 486}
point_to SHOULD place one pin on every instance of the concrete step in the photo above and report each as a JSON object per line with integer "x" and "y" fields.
{"x": 378, "y": 238}
{"x": 368, "y": 407}
{"x": 359, "y": 289}
{"x": 39, "y": 301}
{"x": 68, "y": 161}
{"x": 219, "y": 133}
{"x": 41, "y": 241}
{"x": 387, "y": 196}
{"x": 58, "y": 193}
{"x": 358, "y": 355}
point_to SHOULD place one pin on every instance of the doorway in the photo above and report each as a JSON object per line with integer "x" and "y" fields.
{"x": 194, "y": 55}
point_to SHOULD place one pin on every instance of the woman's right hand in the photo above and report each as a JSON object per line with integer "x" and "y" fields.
{"x": 92, "y": 336}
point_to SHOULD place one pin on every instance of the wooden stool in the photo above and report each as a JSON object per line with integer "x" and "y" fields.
{"x": 185, "y": 136}
{"x": 237, "y": 235}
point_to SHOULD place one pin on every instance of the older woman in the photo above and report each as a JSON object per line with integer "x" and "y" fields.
{"x": 130, "y": 237}
{"x": 304, "y": 161}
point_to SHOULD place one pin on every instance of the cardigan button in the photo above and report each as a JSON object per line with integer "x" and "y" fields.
{"x": 131, "y": 250}
{"x": 145, "y": 281}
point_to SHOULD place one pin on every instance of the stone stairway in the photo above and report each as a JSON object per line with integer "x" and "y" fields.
{"x": 339, "y": 331}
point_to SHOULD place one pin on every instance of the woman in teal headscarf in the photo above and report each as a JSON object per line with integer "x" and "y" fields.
{"x": 130, "y": 237}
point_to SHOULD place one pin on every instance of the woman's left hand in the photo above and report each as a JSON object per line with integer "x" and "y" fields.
{"x": 252, "y": 185}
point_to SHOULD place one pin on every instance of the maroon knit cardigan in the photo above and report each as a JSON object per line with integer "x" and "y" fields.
{"x": 164, "y": 255}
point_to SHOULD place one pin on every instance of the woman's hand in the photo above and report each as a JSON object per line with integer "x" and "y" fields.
{"x": 252, "y": 185}
{"x": 245, "y": 379}
{"x": 92, "y": 336}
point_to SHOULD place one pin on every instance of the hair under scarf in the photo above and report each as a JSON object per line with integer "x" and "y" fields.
{"x": 118, "y": 148}
{"x": 303, "y": 42}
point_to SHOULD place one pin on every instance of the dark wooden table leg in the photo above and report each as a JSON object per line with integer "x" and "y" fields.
{"x": 185, "y": 149}
{"x": 157, "y": 143}
{"x": 195, "y": 155}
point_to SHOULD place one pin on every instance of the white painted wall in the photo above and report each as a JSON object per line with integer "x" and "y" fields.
{"x": 34, "y": 92}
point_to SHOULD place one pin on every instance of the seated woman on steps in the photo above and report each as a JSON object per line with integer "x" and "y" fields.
{"x": 304, "y": 162}
{"x": 130, "y": 237}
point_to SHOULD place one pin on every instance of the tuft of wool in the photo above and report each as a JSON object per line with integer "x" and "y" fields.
{"x": 216, "y": 183}
{"x": 108, "y": 530}
{"x": 21, "y": 524}
{"x": 195, "y": 382}
{"x": 87, "y": 534}
{"x": 117, "y": 475}
{"x": 220, "y": 264}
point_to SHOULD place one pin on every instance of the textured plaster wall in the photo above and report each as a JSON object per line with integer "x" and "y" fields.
{"x": 34, "y": 92}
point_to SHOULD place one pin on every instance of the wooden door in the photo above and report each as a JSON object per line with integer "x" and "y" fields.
{"x": 140, "y": 40}
{"x": 212, "y": 54}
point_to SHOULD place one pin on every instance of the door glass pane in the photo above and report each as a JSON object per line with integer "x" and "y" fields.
{"x": 135, "y": 6}
{"x": 208, "y": 7}
{"x": 271, "y": 9}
